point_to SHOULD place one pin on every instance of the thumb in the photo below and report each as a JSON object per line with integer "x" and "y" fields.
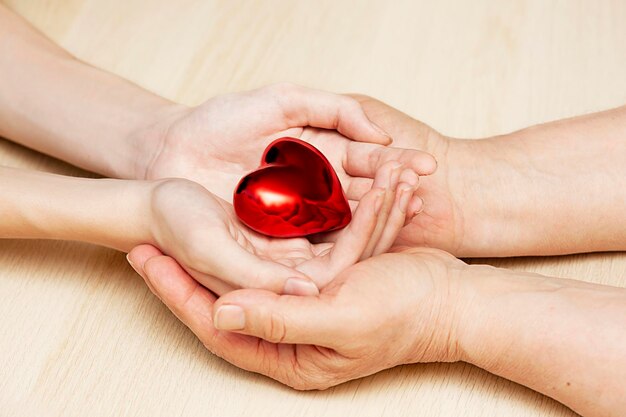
{"x": 309, "y": 107}
{"x": 280, "y": 318}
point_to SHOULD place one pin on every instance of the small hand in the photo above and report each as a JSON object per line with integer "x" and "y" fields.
{"x": 218, "y": 142}
{"x": 388, "y": 310}
{"x": 202, "y": 232}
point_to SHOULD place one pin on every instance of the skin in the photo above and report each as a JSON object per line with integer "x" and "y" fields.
{"x": 198, "y": 228}
{"x": 444, "y": 310}
{"x": 561, "y": 337}
{"x": 520, "y": 193}
{"x": 127, "y": 132}
{"x": 315, "y": 342}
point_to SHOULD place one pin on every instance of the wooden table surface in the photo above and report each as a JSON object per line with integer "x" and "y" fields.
{"x": 80, "y": 334}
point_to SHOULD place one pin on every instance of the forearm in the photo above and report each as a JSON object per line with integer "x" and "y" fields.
{"x": 113, "y": 213}
{"x": 56, "y": 104}
{"x": 550, "y": 189}
{"x": 563, "y": 338}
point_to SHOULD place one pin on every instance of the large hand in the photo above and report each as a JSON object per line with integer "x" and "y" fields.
{"x": 441, "y": 222}
{"x": 202, "y": 232}
{"x": 220, "y": 141}
{"x": 518, "y": 194}
{"x": 388, "y": 310}
{"x": 463, "y": 208}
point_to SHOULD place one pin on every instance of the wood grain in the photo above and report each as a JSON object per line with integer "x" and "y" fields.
{"x": 81, "y": 335}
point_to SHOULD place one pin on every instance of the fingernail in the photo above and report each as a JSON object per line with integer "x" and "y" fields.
{"x": 298, "y": 286}
{"x": 132, "y": 264}
{"x": 410, "y": 177}
{"x": 229, "y": 318}
{"x": 380, "y": 130}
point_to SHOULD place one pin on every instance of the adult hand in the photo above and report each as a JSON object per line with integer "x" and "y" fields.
{"x": 218, "y": 142}
{"x": 518, "y": 194}
{"x": 392, "y": 309}
{"x": 561, "y": 337}
{"x": 442, "y": 222}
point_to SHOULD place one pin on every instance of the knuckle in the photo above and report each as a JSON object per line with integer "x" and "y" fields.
{"x": 361, "y": 97}
{"x": 263, "y": 280}
{"x": 375, "y": 159}
{"x": 284, "y": 98}
{"x": 276, "y": 330}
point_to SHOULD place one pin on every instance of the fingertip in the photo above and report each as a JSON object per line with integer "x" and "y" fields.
{"x": 167, "y": 276}
{"x": 138, "y": 255}
{"x": 384, "y": 137}
{"x": 152, "y": 268}
{"x": 410, "y": 177}
{"x": 300, "y": 287}
{"x": 416, "y": 206}
{"x": 135, "y": 267}
{"x": 423, "y": 163}
{"x": 229, "y": 317}
{"x": 429, "y": 165}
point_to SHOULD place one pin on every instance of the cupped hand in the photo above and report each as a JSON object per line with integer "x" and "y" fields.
{"x": 391, "y": 309}
{"x": 203, "y": 233}
{"x": 220, "y": 141}
{"x": 457, "y": 196}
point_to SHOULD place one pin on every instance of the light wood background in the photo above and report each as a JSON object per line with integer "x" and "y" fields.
{"x": 79, "y": 332}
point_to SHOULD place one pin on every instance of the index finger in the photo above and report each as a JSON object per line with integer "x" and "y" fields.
{"x": 309, "y": 107}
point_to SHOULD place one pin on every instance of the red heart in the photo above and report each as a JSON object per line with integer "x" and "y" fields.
{"x": 294, "y": 192}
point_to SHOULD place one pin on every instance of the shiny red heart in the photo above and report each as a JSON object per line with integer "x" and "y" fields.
{"x": 294, "y": 192}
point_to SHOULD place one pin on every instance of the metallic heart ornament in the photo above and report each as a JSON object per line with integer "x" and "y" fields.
{"x": 294, "y": 192}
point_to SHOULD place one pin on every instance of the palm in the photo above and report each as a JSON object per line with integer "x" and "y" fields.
{"x": 350, "y": 330}
{"x": 415, "y": 271}
{"x": 217, "y": 149}
{"x": 204, "y": 234}
{"x": 299, "y": 253}
{"x": 316, "y": 260}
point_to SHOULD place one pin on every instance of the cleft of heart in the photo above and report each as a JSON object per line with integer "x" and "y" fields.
{"x": 295, "y": 192}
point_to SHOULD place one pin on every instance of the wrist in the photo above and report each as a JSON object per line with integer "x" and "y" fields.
{"x": 438, "y": 307}
{"x": 148, "y": 139}
{"x": 489, "y": 183}
{"x": 117, "y": 214}
{"x": 494, "y": 300}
